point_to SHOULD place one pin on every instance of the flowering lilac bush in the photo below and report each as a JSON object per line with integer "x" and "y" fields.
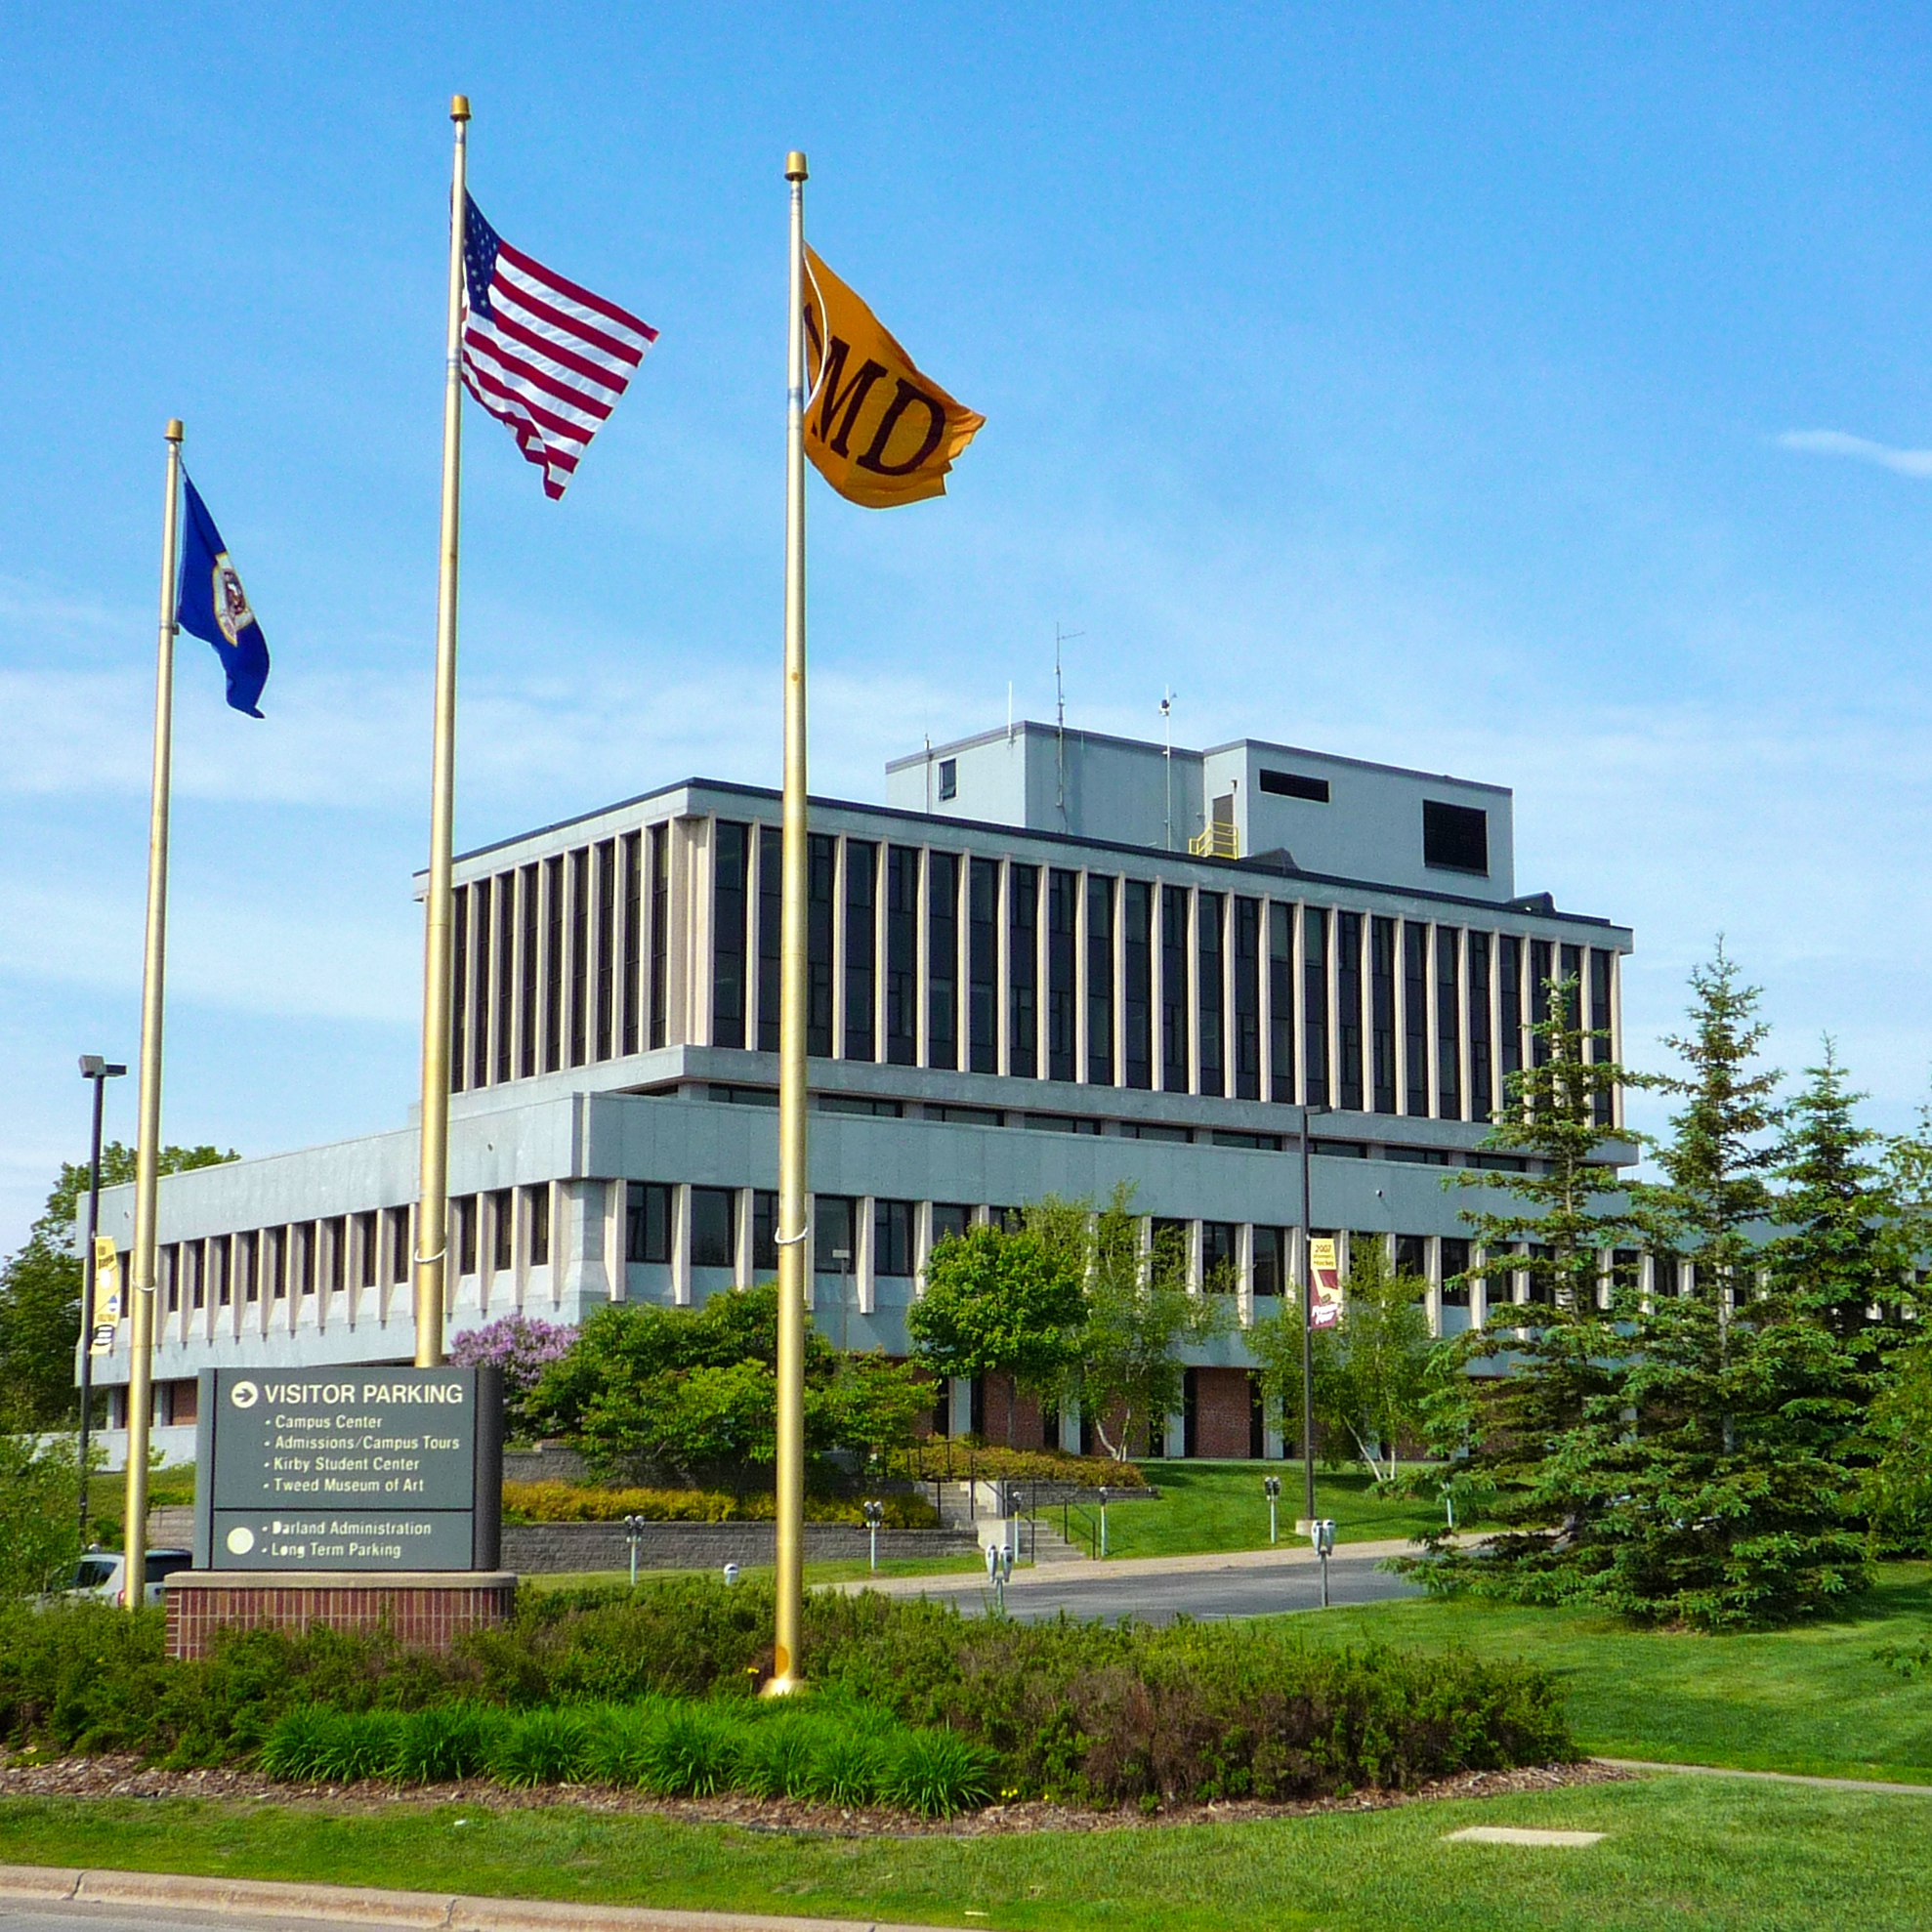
{"x": 523, "y": 1349}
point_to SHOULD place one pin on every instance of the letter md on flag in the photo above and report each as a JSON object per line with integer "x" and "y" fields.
{"x": 879, "y": 432}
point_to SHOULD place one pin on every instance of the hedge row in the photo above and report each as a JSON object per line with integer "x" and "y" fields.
{"x": 948, "y": 1460}
{"x": 582, "y": 1503}
{"x": 1107, "y": 1715}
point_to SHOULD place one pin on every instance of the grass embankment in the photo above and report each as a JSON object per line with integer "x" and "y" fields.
{"x": 1691, "y": 1853}
{"x": 1205, "y": 1506}
{"x": 1807, "y": 1699}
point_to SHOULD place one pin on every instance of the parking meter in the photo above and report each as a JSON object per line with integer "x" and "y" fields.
{"x": 633, "y": 1536}
{"x": 1321, "y": 1534}
{"x": 875, "y": 1514}
{"x": 1103, "y": 1519}
{"x": 1271, "y": 1488}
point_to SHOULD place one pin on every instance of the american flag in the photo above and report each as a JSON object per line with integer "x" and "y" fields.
{"x": 544, "y": 357}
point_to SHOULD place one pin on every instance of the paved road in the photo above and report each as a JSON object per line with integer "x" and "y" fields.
{"x": 1249, "y": 1587}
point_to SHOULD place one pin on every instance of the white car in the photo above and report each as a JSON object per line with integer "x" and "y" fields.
{"x": 103, "y": 1573}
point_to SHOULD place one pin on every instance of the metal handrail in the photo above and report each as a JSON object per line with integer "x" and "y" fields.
{"x": 1216, "y": 840}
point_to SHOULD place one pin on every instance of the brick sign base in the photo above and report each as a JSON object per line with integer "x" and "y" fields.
{"x": 428, "y": 1609}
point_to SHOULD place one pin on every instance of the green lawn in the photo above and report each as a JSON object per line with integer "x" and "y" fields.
{"x": 1809, "y": 1699}
{"x": 1698, "y": 1855}
{"x": 1220, "y": 1506}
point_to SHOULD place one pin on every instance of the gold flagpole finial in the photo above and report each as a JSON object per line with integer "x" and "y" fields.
{"x": 174, "y": 432}
{"x": 795, "y": 169}
{"x": 459, "y": 107}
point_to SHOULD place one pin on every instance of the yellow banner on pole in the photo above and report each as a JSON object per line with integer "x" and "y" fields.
{"x": 106, "y": 1296}
{"x": 878, "y": 431}
{"x": 1324, "y": 1282}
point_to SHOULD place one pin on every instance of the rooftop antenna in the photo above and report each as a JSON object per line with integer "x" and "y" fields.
{"x": 1061, "y": 637}
{"x": 1167, "y": 758}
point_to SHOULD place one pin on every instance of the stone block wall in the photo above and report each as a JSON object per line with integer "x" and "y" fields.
{"x": 535, "y": 1548}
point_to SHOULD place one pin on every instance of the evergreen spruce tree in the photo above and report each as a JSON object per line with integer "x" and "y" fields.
{"x": 1533, "y": 1399}
{"x": 1737, "y": 1494}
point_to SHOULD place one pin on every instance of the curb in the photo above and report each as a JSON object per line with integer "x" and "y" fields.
{"x": 416, "y": 1912}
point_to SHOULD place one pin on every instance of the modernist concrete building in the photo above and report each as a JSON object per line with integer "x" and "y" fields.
{"x": 1051, "y": 962}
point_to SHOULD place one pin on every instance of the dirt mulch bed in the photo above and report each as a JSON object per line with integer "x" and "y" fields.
{"x": 129, "y": 1778}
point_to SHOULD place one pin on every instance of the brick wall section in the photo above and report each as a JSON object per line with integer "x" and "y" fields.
{"x": 536, "y": 1548}
{"x": 1028, "y": 1423}
{"x": 426, "y": 1611}
{"x": 1223, "y": 1407}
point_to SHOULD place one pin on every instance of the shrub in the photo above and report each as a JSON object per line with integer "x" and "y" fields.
{"x": 440, "y": 1744}
{"x": 939, "y": 1773}
{"x": 581, "y": 1502}
{"x": 774, "y": 1756}
{"x": 946, "y": 1459}
{"x": 690, "y": 1749}
{"x": 314, "y": 1743}
{"x": 847, "y": 1763}
{"x": 549, "y": 1746}
{"x": 293, "y": 1747}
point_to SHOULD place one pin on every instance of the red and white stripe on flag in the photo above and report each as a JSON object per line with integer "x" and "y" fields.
{"x": 544, "y": 355}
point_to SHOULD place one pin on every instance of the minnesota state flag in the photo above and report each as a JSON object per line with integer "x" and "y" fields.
{"x": 214, "y": 605}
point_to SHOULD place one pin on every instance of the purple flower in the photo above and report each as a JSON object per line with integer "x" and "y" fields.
{"x": 517, "y": 1345}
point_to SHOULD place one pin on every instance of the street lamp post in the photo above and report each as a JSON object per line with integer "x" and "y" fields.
{"x": 99, "y": 1071}
{"x": 1307, "y": 1112}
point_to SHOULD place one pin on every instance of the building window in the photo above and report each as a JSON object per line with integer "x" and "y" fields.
{"x": 713, "y": 1228}
{"x": 660, "y": 932}
{"x": 1176, "y": 996}
{"x": 1248, "y": 1000}
{"x": 337, "y": 1232}
{"x": 579, "y": 981}
{"x": 553, "y": 964}
{"x": 1411, "y": 1255}
{"x": 1210, "y": 945}
{"x": 835, "y": 1233}
{"x": 1100, "y": 982}
{"x": 631, "y": 864}
{"x": 1448, "y": 1026}
{"x": 983, "y": 964}
{"x": 1293, "y": 784}
{"x": 647, "y": 1223}
{"x": 951, "y": 1220}
{"x": 892, "y": 1237}
{"x": 502, "y": 1254}
{"x": 1383, "y": 1011}
{"x": 188, "y": 1265}
{"x": 1063, "y": 899}
{"x": 482, "y": 898}
{"x": 503, "y": 982}
{"x": 1023, "y": 970}
{"x": 400, "y": 1265}
{"x": 821, "y": 854}
{"x": 1137, "y": 976}
{"x": 1509, "y": 996}
{"x": 1455, "y": 838}
{"x": 1416, "y": 1015}
{"x": 1455, "y": 1272}
{"x": 365, "y": 1249}
{"x": 943, "y": 960}
{"x": 903, "y": 955}
{"x": 764, "y": 1232}
{"x": 771, "y": 935}
{"x": 459, "y": 991}
{"x": 1271, "y": 1262}
{"x": 1601, "y": 1046}
{"x": 1571, "y": 975}
{"x": 1315, "y": 1001}
{"x": 861, "y": 948}
{"x": 1542, "y": 970}
{"x": 536, "y": 1221}
{"x": 301, "y": 1256}
{"x": 1281, "y": 1004}
{"x": 729, "y": 925}
{"x": 948, "y": 779}
{"x": 606, "y": 947}
{"x": 244, "y": 1272}
{"x": 275, "y": 1258}
{"x": 1348, "y": 1010}
{"x": 1170, "y": 1244}
{"x": 465, "y": 1212}
{"x": 527, "y": 911}
{"x": 1482, "y": 1071}
{"x": 1220, "y": 1257}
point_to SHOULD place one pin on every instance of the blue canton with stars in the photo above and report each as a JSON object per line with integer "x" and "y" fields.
{"x": 480, "y": 243}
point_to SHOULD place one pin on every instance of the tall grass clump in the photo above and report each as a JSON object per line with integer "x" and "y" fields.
{"x": 442, "y": 1744}
{"x": 549, "y": 1746}
{"x": 938, "y": 1774}
{"x": 691, "y": 1749}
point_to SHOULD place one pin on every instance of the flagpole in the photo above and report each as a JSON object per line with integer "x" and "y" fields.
{"x": 148, "y": 1139}
{"x": 786, "y": 1674}
{"x": 432, "y": 1190}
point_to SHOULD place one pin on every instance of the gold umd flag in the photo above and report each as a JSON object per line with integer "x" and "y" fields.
{"x": 106, "y": 1296}
{"x": 879, "y": 432}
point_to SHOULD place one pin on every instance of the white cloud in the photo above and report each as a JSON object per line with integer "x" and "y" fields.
{"x": 1836, "y": 443}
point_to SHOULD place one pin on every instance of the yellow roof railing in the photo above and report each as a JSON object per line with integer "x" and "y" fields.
{"x": 1216, "y": 840}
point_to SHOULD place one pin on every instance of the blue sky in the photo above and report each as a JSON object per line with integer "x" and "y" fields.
{"x": 1540, "y": 397}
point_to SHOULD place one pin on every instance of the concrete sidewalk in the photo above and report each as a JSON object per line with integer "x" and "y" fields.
{"x": 97, "y": 1896}
{"x": 1281, "y": 1556}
